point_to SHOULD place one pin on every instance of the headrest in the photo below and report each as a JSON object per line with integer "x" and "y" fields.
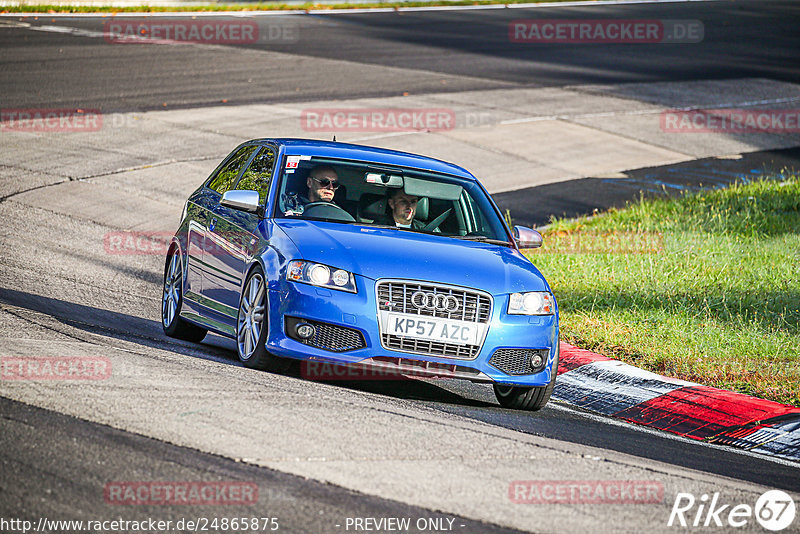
{"x": 422, "y": 209}
{"x": 371, "y": 206}
{"x": 297, "y": 182}
{"x": 341, "y": 194}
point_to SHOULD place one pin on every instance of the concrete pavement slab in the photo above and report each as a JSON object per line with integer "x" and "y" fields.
{"x": 573, "y": 148}
{"x": 497, "y": 169}
{"x": 511, "y": 139}
{"x": 542, "y": 101}
{"x": 648, "y": 128}
{"x": 698, "y": 93}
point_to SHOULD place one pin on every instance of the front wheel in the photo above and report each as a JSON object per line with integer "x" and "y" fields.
{"x": 172, "y": 300}
{"x": 252, "y": 326}
{"x": 527, "y": 398}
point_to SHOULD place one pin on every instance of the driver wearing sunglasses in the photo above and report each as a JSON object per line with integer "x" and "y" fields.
{"x": 322, "y": 184}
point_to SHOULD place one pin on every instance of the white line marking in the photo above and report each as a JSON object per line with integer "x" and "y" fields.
{"x": 382, "y": 136}
{"x": 174, "y": 14}
{"x": 693, "y": 107}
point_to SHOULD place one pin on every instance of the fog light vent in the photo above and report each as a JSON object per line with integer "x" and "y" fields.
{"x": 519, "y": 361}
{"x": 324, "y": 336}
{"x": 305, "y": 330}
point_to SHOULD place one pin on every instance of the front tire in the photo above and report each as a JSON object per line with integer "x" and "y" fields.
{"x": 172, "y": 300}
{"x": 527, "y": 398}
{"x": 252, "y": 326}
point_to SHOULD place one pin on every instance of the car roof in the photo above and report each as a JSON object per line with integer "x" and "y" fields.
{"x": 334, "y": 149}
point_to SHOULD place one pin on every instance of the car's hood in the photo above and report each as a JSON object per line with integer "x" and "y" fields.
{"x": 388, "y": 253}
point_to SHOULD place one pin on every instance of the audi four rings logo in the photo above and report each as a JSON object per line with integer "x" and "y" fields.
{"x": 434, "y": 301}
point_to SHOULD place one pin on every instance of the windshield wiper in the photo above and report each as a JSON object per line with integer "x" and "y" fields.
{"x": 384, "y": 226}
{"x": 483, "y": 239}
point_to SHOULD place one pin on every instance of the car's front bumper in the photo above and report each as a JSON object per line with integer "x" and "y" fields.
{"x": 358, "y": 313}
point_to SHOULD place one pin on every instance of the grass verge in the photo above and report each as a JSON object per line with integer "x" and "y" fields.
{"x": 47, "y": 8}
{"x": 704, "y": 287}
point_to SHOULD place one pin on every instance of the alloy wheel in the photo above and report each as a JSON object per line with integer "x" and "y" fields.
{"x": 172, "y": 291}
{"x": 251, "y": 316}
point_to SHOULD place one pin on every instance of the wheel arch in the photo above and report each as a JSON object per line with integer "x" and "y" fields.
{"x": 175, "y": 243}
{"x": 270, "y": 260}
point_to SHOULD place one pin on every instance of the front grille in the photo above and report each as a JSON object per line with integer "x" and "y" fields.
{"x": 395, "y": 296}
{"x": 434, "y": 348}
{"x": 517, "y": 361}
{"x": 328, "y": 336}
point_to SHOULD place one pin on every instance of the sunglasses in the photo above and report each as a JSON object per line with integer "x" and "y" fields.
{"x": 326, "y": 182}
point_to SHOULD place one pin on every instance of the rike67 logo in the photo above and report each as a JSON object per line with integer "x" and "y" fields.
{"x": 774, "y": 510}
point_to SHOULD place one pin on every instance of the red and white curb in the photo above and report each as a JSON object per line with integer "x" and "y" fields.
{"x": 613, "y": 388}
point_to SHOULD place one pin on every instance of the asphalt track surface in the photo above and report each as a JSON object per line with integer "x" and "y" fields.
{"x": 53, "y": 464}
{"x": 463, "y": 50}
{"x": 300, "y": 505}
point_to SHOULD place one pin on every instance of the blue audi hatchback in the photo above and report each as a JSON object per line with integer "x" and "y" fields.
{"x": 347, "y": 254}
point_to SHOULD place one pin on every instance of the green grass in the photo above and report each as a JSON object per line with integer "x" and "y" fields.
{"x": 717, "y": 302}
{"x": 277, "y": 6}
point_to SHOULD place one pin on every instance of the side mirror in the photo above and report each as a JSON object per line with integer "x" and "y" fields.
{"x": 527, "y": 237}
{"x": 240, "y": 199}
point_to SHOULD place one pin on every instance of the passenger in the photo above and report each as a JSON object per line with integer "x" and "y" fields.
{"x": 403, "y": 208}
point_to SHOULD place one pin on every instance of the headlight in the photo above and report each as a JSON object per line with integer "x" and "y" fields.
{"x": 532, "y": 303}
{"x": 321, "y": 275}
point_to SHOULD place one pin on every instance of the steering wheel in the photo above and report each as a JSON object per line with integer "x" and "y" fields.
{"x": 434, "y": 224}
{"x": 327, "y": 210}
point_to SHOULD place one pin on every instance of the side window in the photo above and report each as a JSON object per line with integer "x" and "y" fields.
{"x": 258, "y": 175}
{"x": 227, "y": 175}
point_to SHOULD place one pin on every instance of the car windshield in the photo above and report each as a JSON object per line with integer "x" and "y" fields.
{"x": 376, "y": 195}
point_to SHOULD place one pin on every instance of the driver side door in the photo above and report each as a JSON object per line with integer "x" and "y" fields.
{"x": 233, "y": 238}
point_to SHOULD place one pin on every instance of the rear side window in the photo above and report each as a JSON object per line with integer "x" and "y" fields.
{"x": 258, "y": 175}
{"x": 227, "y": 175}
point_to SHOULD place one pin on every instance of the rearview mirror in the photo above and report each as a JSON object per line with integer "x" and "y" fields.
{"x": 240, "y": 199}
{"x": 380, "y": 178}
{"x": 527, "y": 237}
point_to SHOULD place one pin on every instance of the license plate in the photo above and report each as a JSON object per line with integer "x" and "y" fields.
{"x": 432, "y": 329}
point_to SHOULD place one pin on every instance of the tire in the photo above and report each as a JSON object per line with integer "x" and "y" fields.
{"x": 172, "y": 300}
{"x": 527, "y": 398}
{"x": 252, "y": 326}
